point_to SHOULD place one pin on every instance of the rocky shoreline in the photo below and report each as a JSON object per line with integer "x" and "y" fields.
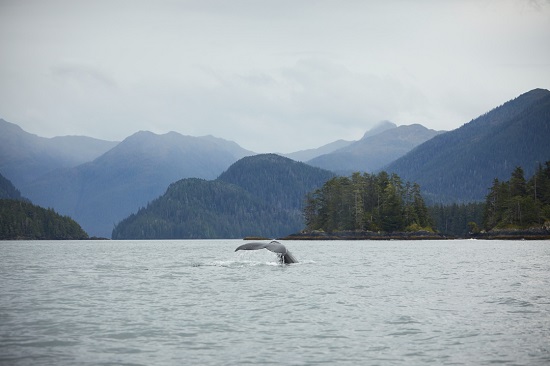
{"x": 529, "y": 234}
{"x": 366, "y": 235}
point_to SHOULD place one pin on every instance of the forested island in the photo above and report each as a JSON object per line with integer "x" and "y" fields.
{"x": 518, "y": 207}
{"x": 367, "y": 202}
{"x": 382, "y": 206}
{"x": 21, "y": 220}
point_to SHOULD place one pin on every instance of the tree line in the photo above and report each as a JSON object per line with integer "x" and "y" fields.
{"x": 23, "y": 220}
{"x": 457, "y": 219}
{"x": 519, "y": 203}
{"x": 367, "y": 202}
{"x": 383, "y": 202}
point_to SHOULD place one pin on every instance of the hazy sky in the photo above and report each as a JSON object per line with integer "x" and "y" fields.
{"x": 273, "y": 75}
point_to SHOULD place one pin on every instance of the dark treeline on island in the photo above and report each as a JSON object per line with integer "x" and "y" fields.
{"x": 457, "y": 220}
{"x": 367, "y": 202}
{"x": 519, "y": 204}
{"x": 516, "y": 207}
{"x": 386, "y": 205}
{"x": 25, "y": 221}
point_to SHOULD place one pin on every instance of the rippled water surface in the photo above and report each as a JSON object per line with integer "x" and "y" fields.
{"x": 199, "y": 302}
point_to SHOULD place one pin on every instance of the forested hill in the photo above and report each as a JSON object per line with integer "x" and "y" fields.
{"x": 196, "y": 209}
{"x": 280, "y": 182}
{"x": 23, "y": 220}
{"x": 261, "y": 195}
{"x": 459, "y": 165}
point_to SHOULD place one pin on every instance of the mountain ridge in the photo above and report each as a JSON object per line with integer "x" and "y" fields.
{"x": 375, "y": 150}
{"x": 25, "y": 157}
{"x": 8, "y": 190}
{"x": 308, "y": 154}
{"x": 454, "y": 166}
{"x": 490, "y": 146}
{"x": 379, "y": 128}
{"x": 100, "y": 193}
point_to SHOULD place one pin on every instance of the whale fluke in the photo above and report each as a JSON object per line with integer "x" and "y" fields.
{"x": 285, "y": 257}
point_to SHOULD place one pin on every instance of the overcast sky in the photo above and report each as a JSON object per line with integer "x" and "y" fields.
{"x": 273, "y": 75}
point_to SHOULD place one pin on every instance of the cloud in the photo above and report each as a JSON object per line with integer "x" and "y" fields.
{"x": 271, "y": 75}
{"x": 311, "y": 102}
{"x": 83, "y": 73}
{"x": 537, "y": 4}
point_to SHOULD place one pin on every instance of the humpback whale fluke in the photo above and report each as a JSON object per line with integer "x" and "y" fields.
{"x": 285, "y": 257}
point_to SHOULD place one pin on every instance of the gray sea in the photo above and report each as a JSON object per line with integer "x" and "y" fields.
{"x": 346, "y": 303}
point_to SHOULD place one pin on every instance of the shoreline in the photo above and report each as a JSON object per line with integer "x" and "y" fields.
{"x": 530, "y": 234}
{"x": 367, "y": 235}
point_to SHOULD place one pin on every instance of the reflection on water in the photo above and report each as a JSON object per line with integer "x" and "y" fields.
{"x": 199, "y": 302}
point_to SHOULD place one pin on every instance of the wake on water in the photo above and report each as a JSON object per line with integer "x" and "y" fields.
{"x": 243, "y": 263}
{"x": 247, "y": 259}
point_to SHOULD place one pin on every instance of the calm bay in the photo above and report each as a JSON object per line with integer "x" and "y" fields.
{"x": 460, "y": 302}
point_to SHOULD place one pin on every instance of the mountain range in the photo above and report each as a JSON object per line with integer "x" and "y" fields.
{"x": 378, "y": 147}
{"x": 99, "y": 183}
{"x": 105, "y": 190}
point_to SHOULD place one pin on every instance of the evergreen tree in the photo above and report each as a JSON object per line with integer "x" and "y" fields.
{"x": 518, "y": 186}
{"x": 366, "y": 202}
{"x": 518, "y": 203}
{"x": 457, "y": 219}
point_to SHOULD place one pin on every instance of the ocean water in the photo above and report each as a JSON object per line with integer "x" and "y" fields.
{"x": 346, "y": 303}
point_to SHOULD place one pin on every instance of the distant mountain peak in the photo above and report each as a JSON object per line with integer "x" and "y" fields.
{"x": 381, "y": 145}
{"x": 537, "y": 91}
{"x": 305, "y": 155}
{"x": 24, "y": 157}
{"x": 379, "y": 128}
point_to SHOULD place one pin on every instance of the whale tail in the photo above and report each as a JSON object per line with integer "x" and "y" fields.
{"x": 285, "y": 257}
